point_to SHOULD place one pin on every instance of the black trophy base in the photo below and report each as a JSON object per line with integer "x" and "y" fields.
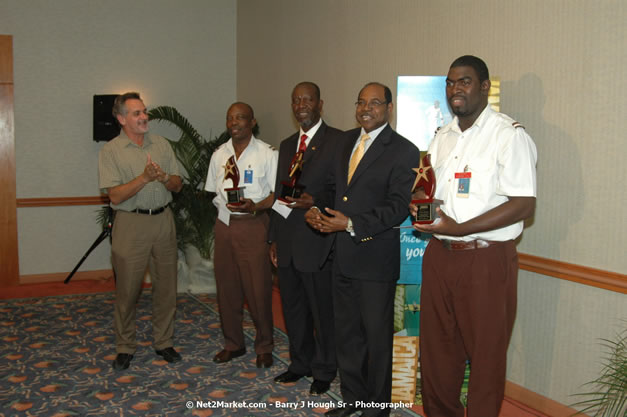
{"x": 425, "y": 211}
{"x": 234, "y": 195}
{"x": 287, "y": 190}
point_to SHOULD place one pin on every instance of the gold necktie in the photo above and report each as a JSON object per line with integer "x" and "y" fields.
{"x": 359, "y": 153}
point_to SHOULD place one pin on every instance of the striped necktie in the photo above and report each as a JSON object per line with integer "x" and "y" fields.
{"x": 302, "y": 147}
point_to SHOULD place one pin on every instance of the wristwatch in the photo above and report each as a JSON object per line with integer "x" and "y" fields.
{"x": 349, "y": 227}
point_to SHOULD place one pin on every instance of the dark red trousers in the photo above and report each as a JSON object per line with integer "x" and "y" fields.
{"x": 242, "y": 267}
{"x": 468, "y": 306}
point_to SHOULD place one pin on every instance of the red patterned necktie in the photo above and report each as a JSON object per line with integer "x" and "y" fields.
{"x": 302, "y": 147}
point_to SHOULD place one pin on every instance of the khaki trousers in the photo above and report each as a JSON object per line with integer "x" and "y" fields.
{"x": 138, "y": 239}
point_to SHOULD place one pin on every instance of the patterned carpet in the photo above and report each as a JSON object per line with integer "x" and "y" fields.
{"x": 56, "y": 361}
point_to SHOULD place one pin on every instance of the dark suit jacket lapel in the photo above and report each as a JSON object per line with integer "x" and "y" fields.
{"x": 345, "y": 160}
{"x": 315, "y": 143}
{"x": 374, "y": 151}
{"x": 291, "y": 144}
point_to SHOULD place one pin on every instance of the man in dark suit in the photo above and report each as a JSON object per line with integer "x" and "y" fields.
{"x": 373, "y": 178}
{"x": 296, "y": 248}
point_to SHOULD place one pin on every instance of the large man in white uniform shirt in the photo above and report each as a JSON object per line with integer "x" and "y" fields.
{"x": 485, "y": 167}
{"x": 241, "y": 261}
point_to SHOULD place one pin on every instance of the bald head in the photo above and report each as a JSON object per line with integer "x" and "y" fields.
{"x": 240, "y": 121}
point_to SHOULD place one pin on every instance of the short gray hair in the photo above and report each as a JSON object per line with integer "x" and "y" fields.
{"x": 119, "y": 105}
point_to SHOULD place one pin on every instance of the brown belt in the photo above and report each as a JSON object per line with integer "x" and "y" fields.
{"x": 467, "y": 245}
{"x": 246, "y": 215}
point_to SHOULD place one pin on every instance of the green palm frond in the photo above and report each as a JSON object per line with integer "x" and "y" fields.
{"x": 609, "y": 395}
{"x": 194, "y": 212}
{"x": 171, "y": 115}
{"x": 104, "y": 216}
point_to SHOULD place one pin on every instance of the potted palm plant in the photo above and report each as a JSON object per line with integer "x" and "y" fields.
{"x": 194, "y": 213}
{"x": 608, "y": 395}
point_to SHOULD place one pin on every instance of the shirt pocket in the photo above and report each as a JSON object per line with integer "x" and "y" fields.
{"x": 253, "y": 177}
{"x": 483, "y": 171}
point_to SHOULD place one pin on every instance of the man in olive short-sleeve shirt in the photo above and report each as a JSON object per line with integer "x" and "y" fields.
{"x": 139, "y": 172}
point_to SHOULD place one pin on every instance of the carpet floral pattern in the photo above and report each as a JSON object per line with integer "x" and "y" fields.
{"x": 56, "y": 355}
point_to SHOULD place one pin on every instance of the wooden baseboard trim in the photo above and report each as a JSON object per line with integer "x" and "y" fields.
{"x": 62, "y": 201}
{"x": 538, "y": 402}
{"x": 607, "y": 280}
{"x": 97, "y": 275}
{"x": 612, "y": 281}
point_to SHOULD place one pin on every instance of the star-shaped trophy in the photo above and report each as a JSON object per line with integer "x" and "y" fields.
{"x": 235, "y": 193}
{"x": 291, "y": 188}
{"x": 424, "y": 186}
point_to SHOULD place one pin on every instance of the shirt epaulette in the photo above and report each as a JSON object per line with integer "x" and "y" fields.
{"x": 517, "y": 124}
{"x": 272, "y": 147}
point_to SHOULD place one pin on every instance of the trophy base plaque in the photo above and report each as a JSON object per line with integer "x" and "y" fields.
{"x": 425, "y": 213}
{"x": 289, "y": 190}
{"x": 233, "y": 195}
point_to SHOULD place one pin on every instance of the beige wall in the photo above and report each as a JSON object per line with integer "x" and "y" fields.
{"x": 562, "y": 67}
{"x": 65, "y": 51}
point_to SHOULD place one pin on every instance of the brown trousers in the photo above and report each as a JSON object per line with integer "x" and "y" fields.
{"x": 138, "y": 239}
{"x": 242, "y": 268}
{"x": 468, "y": 306}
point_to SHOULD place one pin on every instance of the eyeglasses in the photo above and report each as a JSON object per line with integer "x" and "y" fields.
{"x": 373, "y": 103}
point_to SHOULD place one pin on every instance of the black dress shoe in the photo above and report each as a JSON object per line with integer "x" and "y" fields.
{"x": 264, "y": 360}
{"x": 227, "y": 355}
{"x": 169, "y": 354}
{"x": 122, "y": 361}
{"x": 319, "y": 387}
{"x": 288, "y": 376}
{"x": 342, "y": 412}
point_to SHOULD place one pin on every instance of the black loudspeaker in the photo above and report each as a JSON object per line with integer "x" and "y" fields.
{"x": 105, "y": 125}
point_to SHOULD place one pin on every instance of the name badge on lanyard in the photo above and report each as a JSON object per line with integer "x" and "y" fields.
{"x": 248, "y": 176}
{"x": 463, "y": 183}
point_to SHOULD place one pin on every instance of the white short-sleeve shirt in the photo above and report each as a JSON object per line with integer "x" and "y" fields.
{"x": 257, "y": 167}
{"x": 500, "y": 159}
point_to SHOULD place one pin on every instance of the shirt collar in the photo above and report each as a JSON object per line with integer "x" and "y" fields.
{"x": 480, "y": 121}
{"x": 312, "y": 130}
{"x": 485, "y": 114}
{"x": 252, "y": 144}
{"x": 373, "y": 134}
{"x": 128, "y": 142}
